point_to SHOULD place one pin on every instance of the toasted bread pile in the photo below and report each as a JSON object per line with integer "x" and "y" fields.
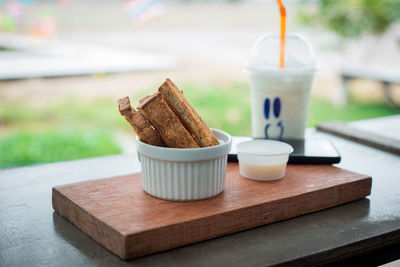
{"x": 167, "y": 119}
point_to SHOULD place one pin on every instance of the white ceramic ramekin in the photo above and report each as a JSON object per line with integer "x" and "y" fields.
{"x": 184, "y": 174}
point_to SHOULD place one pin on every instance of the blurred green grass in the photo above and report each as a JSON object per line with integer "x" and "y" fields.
{"x": 20, "y": 148}
{"x": 323, "y": 110}
{"x": 74, "y": 128}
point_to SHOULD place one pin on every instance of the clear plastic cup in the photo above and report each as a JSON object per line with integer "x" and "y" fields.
{"x": 263, "y": 160}
{"x": 280, "y": 96}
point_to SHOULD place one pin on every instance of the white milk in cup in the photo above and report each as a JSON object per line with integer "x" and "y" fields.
{"x": 280, "y": 96}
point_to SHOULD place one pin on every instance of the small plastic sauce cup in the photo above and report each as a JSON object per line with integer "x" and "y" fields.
{"x": 263, "y": 160}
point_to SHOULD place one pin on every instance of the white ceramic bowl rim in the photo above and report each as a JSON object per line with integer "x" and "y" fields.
{"x": 188, "y": 154}
{"x": 280, "y": 148}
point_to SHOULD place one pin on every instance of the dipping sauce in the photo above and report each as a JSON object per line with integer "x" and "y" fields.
{"x": 262, "y": 172}
{"x": 263, "y": 160}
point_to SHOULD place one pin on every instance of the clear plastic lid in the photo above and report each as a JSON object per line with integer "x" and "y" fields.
{"x": 264, "y": 55}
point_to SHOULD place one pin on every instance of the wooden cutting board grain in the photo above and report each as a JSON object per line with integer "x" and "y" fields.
{"x": 119, "y": 215}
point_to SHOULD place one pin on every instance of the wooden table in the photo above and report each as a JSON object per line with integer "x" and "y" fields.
{"x": 382, "y": 133}
{"x": 386, "y": 76}
{"x": 364, "y": 232}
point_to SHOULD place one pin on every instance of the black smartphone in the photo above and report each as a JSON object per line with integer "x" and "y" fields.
{"x": 307, "y": 151}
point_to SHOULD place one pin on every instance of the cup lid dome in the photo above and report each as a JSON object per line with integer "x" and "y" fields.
{"x": 264, "y": 55}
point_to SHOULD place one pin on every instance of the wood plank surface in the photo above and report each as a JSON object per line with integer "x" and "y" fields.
{"x": 119, "y": 215}
{"x": 382, "y": 133}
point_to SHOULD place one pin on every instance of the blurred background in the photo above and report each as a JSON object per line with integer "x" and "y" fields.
{"x": 64, "y": 64}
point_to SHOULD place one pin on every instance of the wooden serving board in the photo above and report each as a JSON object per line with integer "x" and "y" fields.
{"x": 119, "y": 215}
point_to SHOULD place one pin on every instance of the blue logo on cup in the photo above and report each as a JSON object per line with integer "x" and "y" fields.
{"x": 276, "y": 110}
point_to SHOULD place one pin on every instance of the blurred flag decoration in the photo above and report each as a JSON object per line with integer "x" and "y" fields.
{"x": 143, "y": 11}
{"x": 13, "y": 19}
{"x": 7, "y": 23}
{"x": 45, "y": 25}
{"x": 15, "y": 9}
{"x": 26, "y": 2}
{"x": 62, "y": 2}
{"x": 10, "y": 20}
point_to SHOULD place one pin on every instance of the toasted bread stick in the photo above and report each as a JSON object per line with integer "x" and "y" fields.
{"x": 140, "y": 125}
{"x": 187, "y": 114}
{"x": 164, "y": 120}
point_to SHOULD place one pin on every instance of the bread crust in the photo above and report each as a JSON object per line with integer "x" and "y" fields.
{"x": 165, "y": 121}
{"x": 189, "y": 117}
{"x": 139, "y": 123}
